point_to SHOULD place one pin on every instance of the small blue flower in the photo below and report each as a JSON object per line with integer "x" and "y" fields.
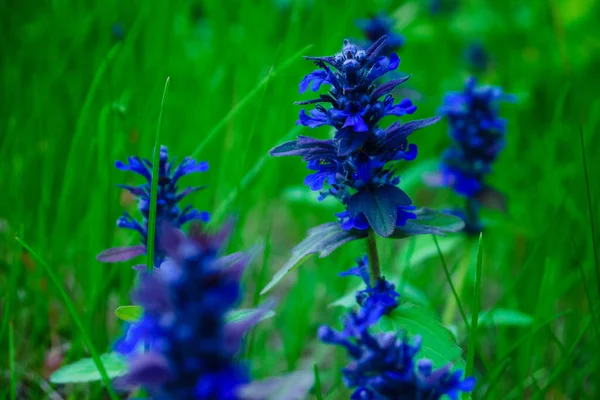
{"x": 381, "y": 25}
{"x": 168, "y": 197}
{"x": 382, "y": 294}
{"x": 383, "y": 365}
{"x": 477, "y": 56}
{"x": 191, "y": 349}
{"x": 355, "y": 166}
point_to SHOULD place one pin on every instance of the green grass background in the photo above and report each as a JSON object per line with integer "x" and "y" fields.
{"x": 74, "y": 99}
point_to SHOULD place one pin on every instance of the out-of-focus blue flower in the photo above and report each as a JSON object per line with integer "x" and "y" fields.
{"x": 381, "y": 25}
{"x": 383, "y": 365}
{"x": 477, "y": 57}
{"x": 168, "y": 197}
{"x": 443, "y": 6}
{"x": 356, "y": 165}
{"x": 118, "y": 30}
{"x": 382, "y": 294}
{"x": 191, "y": 349}
{"x": 479, "y": 135}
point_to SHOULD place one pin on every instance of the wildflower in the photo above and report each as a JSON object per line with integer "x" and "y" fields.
{"x": 477, "y": 57}
{"x": 354, "y": 166}
{"x": 478, "y": 135}
{"x": 382, "y": 294}
{"x": 383, "y": 365}
{"x": 191, "y": 347}
{"x": 168, "y": 196}
{"x": 381, "y": 25}
{"x": 443, "y": 6}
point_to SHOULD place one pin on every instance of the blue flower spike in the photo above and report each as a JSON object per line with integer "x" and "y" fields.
{"x": 355, "y": 166}
{"x": 383, "y": 365}
{"x": 478, "y": 136}
{"x": 383, "y": 293}
{"x": 167, "y": 210}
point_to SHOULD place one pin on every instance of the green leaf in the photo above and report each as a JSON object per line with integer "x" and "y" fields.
{"x": 84, "y": 370}
{"x": 322, "y": 240}
{"x": 429, "y": 221}
{"x": 130, "y": 313}
{"x": 504, "y": 317}
{"x": 380, "y": 207}
{"x": 438, "y": 344}
{"x": 243, "y": 313}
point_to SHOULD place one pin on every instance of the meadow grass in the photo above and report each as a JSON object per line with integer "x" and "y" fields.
{"x": 76, "y": 97}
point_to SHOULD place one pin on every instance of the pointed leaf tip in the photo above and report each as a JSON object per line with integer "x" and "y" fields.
{"x": 129, "y": 313}
{"x": 322, "y": 240}
{"x": 119, "y": 254}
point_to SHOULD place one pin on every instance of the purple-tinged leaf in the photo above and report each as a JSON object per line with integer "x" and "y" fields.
{"x": 431, "y": 222}
{"x": 140, "y": 267}
{"x": 148, "y": 369}
{"x": 387, "y": 87}
{"x": 306, "y": 147}
{"x": 292, "y": 386}
{"x": 396, "y": 134}
{"x": 240, "y": 321}
{"x": 350, "y": 141}
{"x": 119, "y": 254}
{"x": 322, "y": 240}
{"x": 380, "y": 207}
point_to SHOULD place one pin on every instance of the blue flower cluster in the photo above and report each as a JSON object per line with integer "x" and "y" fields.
{"x": 378, "y": 26}
{"x": 479, "y": 135}
{"x": 383, "y": 365}
{"x": 382, "y": 294}
{"x": 356, "y": 162}
{"x": 191, "y": 348}
{"x": 167, "y": 210}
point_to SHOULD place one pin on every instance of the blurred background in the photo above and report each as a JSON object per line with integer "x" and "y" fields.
{"x": 81, "y": 87}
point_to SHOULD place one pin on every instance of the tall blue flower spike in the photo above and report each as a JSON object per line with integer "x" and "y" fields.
{"x": 358, "y": 165}
{"x": 479, "y": 135}
{"x": 167, "y": 210}
{"x": 383, "y": 293}
{"x": 191, "y": 348}
{"x": 383, "y": 365}
{"x": 378, "y": 26}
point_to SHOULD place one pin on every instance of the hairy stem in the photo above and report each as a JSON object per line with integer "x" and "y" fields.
{"x": 374, "y": 268}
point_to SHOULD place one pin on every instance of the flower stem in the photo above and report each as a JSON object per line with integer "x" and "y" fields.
{"x": 374, "y": 268}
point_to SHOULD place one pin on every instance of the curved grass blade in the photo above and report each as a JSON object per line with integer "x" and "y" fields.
{"x": 154, "y": 187}
{"x": 475, "y": 312}
{"x": 247, "y": 99}
{"x": 83, "y": 116}
{"x": 76, "y": 320}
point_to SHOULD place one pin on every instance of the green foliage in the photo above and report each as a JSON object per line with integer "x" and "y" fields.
{"x": 129, "y": 313}
{"x": 85, "y": 369}
{"x": 438, "y": 344}
{"x": 76, "y": 98}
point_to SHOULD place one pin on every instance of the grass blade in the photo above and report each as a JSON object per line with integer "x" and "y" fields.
{"x": 76, "y": 320}
{"x": 246, "y": 99}
{"x": 449, "y": 278}
{"x": 11, "y": 362}
{"x": 318, "y": 393}
{"x": 590, "y": 208}
{"x": 475, "y": 312}
{"x": 154, "y": 186}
